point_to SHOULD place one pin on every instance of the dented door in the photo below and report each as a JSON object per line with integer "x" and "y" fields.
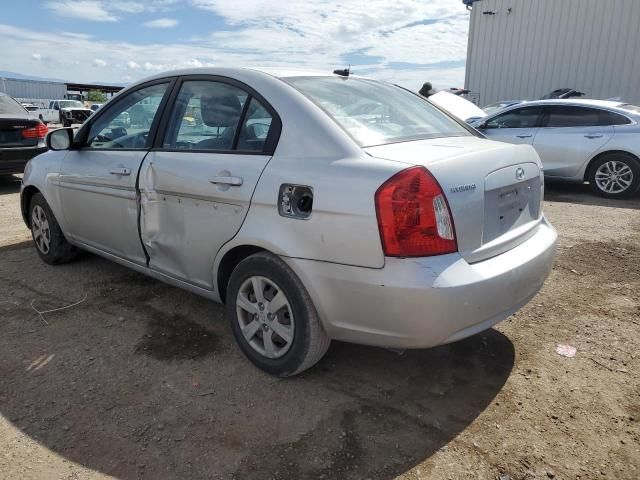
{"x": 191, "y": 204}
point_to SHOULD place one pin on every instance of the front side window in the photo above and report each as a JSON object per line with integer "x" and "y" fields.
{"x": 127, "y": 123}
{"x": 376, "y": 113}
{"x": 528, "y": 117}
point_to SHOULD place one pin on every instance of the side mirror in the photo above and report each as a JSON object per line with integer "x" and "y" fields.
{"x": 60, "y": 139}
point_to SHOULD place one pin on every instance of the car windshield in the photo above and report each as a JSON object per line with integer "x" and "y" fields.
{"x": 376, "y": 113}
{"x": 71, "y": 104}
{"x": 494, "y": 107}
{"x": 9, "y": 106}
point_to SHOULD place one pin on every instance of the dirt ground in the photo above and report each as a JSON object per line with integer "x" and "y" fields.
{"x": 142, "y": 380}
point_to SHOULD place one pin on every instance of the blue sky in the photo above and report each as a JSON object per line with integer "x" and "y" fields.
{"x": 120, "y": 41}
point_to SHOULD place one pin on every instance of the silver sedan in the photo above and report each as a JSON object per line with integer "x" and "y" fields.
{"x": 577, "y": 140}
{"x": 316, "y": 207}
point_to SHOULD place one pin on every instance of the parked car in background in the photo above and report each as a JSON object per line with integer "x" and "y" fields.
{"x": 578, "y": 140}
{"x": 559, "y": 93}
{"x": 497, "y": 106}
{"x": 66, "y": 112}
{"x": 31, "y": 108}
{"x": 21, "y": 136}
{"x": 385, "y": 225}
{"x": 562, "y": 93}
{"x": 457, "y": 106}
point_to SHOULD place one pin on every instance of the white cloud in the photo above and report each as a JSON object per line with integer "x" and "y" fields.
{"x": 36, "y": 56}
{"x": 106, "y": 10}
{"x": 406, "y": 42}
{"x": 99, "y": 63}
{"x": 161, "y": 23}
{"x": 85, "y": 9}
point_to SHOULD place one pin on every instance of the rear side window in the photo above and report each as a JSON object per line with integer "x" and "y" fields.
{"x": 255, "y": 128}
{"x": 527, "y": 117}
{"x": 611, "y": 118}
{"x": 215, "y": 116}
{"x": 573, "y": 116}
{"x": 10, "y": 107}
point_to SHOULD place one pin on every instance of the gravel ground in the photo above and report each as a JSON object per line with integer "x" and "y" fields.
{"x": 142, "y": 380}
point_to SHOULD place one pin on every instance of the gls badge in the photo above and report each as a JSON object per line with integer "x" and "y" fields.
{"x": 463, "y": 188}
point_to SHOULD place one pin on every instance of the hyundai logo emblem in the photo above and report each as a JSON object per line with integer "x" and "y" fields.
{"x": 519, "y": 173}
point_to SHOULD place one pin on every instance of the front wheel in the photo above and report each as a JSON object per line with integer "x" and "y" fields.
{"x": 616, "y": 175}
{"x": 273, "y": 318}
{"x": 49, "y": 240}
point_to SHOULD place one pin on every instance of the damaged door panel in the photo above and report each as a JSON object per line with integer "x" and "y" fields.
{"x": 191, "y": 204}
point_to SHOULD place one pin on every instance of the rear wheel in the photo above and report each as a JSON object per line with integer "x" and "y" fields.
{"x": 615, "y": 175}
{"x": 273, "y": 318}
{"x": 50, "y": 243}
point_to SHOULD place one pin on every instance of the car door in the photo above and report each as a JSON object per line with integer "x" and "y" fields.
{"x": 518, "y": 125}
{"x": 98, "y": 178}
{"x": 570, "y": 136}
{"x": 196, "y": 184}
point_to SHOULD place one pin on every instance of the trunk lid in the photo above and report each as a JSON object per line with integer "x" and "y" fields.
{"x": 11, "y": 128}
{"x": 494, "y": 189}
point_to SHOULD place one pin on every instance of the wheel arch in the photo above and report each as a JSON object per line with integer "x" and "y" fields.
{"x": 25, "y": 200}
{"x": 229, "y": 262}
{"x": 587, "y": 171}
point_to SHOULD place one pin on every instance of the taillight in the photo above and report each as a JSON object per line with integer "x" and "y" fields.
{"x": 39, "y": 131}
{"x": 414, "y": 216}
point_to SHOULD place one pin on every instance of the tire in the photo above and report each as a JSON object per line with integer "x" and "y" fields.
{"x": 66, "y": 123}
{"x": 44, "y": 226}
{"x": 303, "y": 342}
{"x": 605, "y": 177}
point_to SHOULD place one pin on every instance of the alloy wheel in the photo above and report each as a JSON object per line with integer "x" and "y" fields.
{"x": 614, "y": 176}
{"x": 40, "y": 229}
{"x": 265, "y": 317}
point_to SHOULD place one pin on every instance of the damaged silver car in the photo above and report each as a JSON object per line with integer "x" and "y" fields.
{"x": 315, "y": 206}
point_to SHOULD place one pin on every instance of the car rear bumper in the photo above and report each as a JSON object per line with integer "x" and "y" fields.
{"x": 13, "y": 160}
{"x": 419, "y": 303}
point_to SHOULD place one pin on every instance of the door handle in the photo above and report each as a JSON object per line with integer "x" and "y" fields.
{"x": 227, "y": 180}
{"x": 120, "y": 171}
{"x": 593, "y": 136}
{"x": 524, "y": 136}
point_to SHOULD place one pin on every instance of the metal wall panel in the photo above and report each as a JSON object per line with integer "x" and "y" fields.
{"x": 32, "y": 89}
{"x": 523, "y": 49}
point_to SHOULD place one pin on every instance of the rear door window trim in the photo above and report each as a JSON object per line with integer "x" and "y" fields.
{"x": 274, "y": 132}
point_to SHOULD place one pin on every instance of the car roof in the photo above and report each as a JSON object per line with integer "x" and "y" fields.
{"x": 585, "y": 102}
{"x": 232, "y": 72}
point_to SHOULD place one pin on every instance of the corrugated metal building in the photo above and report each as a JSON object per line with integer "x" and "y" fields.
{"x": 523, "y": 49}
{"x": 32, "y": 89}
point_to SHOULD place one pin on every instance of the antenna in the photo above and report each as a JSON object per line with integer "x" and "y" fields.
{"x": 345, "y": 72}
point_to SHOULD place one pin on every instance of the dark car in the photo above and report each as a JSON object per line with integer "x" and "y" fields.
{"x": 21, "y": 136}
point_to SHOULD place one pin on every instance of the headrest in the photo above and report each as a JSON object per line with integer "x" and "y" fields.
{"x": 220, "y": 111}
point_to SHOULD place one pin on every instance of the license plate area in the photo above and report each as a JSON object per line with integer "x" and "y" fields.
{"x": 510, "y": 205}
{"x": 10, "y": 136}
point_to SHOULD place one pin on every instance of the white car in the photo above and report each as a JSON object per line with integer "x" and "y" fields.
{"x": 388, "y": 224}
{"x": 578, "y": 140}
{"x": 457, "y": 106}
{"x": 66, "y": 112}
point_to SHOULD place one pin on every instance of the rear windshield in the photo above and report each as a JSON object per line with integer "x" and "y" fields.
{"x": 376, "y": 113}
{"x": 9, "y": 106}
{"x": 632, "y": 108}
